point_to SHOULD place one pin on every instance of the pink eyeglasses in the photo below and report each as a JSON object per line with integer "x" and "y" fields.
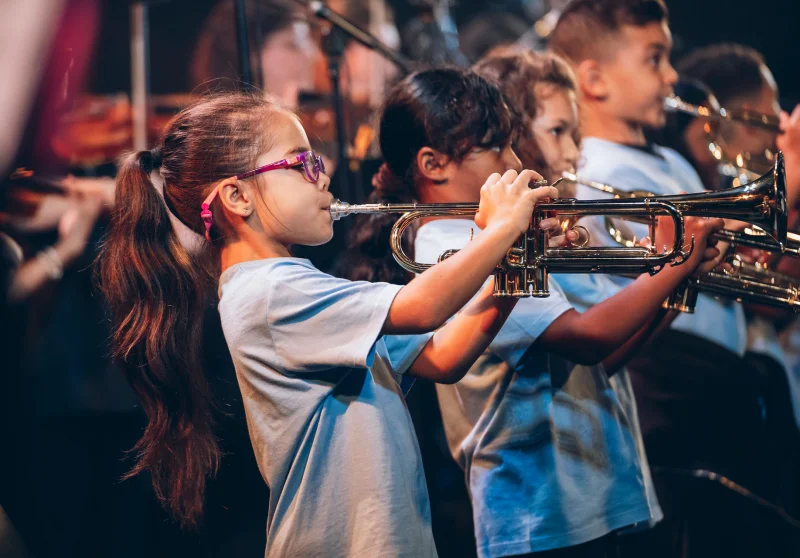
{"x": 312, "y": 167}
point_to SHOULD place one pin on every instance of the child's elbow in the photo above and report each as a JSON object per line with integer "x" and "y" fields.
{"x": 450, "y": 377}
{"x": 592, "y": 350}
{"x": 429, "y": 321}
{"x": 589, "y": 357}
{"x": 439, "y": 375}
{"x": 427, "y": 317}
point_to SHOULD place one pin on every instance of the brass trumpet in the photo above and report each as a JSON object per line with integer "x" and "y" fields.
{"x": 525, "y": 268}
{"x": 742, "y": 167}
{"x": 757, "y": 239}
{"x": 761, "y": 203}
{"x": 746, "y": 282}
{"x": 717, "y": 112}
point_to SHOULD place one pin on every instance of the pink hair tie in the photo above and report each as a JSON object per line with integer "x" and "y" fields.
{"x": 208, "y": 219}
{"x": 205, "y": 213}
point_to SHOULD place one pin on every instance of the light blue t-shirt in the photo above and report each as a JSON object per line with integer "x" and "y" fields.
{"x": 661, "y": 172}
{"x": 327, "y": 420}
{"x": 549, "y": 457}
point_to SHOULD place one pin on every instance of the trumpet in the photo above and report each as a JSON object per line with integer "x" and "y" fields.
{"x": 524, "y": 270}
{"x": 745, "y": 282}
{"x": 717, "y": 112}
{"x": 753, "y": 237}
{"x": 757, "y": 239}
{"x": 616, "y": 192}
{"x": 742, "y": 167}
{"x": 761, "y": 202}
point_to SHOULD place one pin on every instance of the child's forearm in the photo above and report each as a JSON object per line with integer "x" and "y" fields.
{"x": 593, "y": 336}
{"x": 658, "y": 323}
{"x": 431, "y": 298}
{"x": 631, "y": 308}
{"x": 456, "y": 346}
{"x": 36, "y": 272}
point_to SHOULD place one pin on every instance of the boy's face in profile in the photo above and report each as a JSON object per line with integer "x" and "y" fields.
{"x": 638, "y": 75}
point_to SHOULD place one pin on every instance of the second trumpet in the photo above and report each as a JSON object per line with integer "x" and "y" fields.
{"x": 525, "y": 268}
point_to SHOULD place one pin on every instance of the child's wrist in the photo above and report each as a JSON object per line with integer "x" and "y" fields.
{"x": 505, "y": 228}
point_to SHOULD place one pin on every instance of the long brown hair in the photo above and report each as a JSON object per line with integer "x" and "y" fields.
{"x": 517, "y": 74}
{"x": 157, "y": 291}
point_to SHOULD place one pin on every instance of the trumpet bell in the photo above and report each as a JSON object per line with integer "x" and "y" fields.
{"x": 761, "y": 203}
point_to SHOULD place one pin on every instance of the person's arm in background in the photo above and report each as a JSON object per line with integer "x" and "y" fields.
{"x": 74, "y": 228}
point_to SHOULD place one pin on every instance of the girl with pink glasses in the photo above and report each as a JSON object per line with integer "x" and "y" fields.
{"x": 317, "y": 358}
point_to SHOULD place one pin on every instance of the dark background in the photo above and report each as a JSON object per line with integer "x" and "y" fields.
{"x": 769, "y": 26}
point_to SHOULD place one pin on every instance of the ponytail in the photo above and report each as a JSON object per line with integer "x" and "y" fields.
{"x": 157, "y": 291}
{"x": 392, "y": 188}
{"x": 156, "y": 296}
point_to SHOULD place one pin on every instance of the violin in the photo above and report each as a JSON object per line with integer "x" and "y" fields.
{"x": 98, "y": 129}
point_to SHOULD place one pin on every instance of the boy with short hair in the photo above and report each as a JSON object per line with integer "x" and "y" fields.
{"x": 693, "y": 389}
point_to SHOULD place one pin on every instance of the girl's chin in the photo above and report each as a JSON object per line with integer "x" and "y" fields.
{"x": 321, "y": 239}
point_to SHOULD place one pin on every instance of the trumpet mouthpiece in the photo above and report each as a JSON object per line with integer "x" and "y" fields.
{"x": 339, "y": 209}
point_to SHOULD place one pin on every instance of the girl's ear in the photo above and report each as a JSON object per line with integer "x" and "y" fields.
{"x": 431, "y": 165}
{"x": 236, "y": 198}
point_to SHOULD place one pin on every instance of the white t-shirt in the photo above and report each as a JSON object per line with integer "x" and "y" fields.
{"x": 660, "y": 171}
{"x": 547, "y": 447}
{"x": 327, "y": 420}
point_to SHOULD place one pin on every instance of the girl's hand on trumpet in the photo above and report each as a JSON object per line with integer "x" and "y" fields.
{"x": 510, "y": 182}
{"x": 507, "y": 201}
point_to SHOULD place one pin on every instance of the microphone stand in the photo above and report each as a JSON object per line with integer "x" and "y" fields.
{"x": 320, "y": 10}
{"x": 334, "y": 41}
{"x": 243, "y": 43}
{"x": 140, "y": 72}
{"x": 333, "y": 44}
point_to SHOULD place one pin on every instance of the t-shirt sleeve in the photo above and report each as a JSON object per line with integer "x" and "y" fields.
{"x": 689, "y": 180}
{"x": 624, "y": 178}
{"x": 400, "y": 351}
{"x": 584, "y": 290}
{"x": 317, "y": 321}
{"x": 529, "y": 319}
